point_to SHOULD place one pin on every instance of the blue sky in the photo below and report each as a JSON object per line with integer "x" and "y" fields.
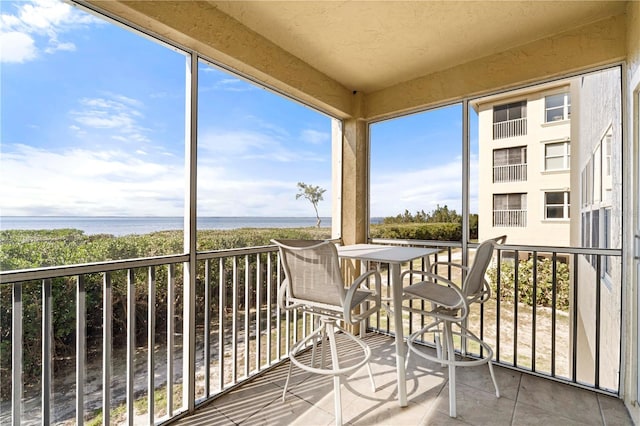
{"x": 93, "y": 124}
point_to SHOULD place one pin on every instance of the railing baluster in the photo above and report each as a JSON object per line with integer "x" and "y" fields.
{"x": 47, "y": 353}
{"x": 515, "y": 308}
{"x": 278, "y": 310}
{"x": 534, "y": 310}
{"x": 107, "y": 309}
{"x": 247, "y": 285}
{"x": 598, "y": 296}
{"x": 171, "y": 297}
{"x": 234, "y": 324}
{"x": 574, "y": 349}
{"x": 498, "y": 297}
{"x": 151, "y": 343}
{"x": 81, "y": 333}
{"x": 16, "y": 355}
{"x": 268, "y": 308}
{"x": 258, "y": 307}
{"x": 554, "y": 275}
{"x": 131, "y": 342}
{"x": 222, "y": 301}
{"x": 207, "y": 328}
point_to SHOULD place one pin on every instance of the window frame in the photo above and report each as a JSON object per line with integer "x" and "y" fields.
{"x": 508, "y": 107}
{"x": 566, "y": 156}
{"x": 565, "y": 107}
{"x": 566, "y": 205}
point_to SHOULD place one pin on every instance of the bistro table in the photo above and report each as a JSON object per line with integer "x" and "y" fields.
{"x": 395, "y": 256}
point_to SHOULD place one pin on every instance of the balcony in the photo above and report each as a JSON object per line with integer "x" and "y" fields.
{"x": 510, "y": 173}
{"x": 510, "y": 218}
{"x": 309, "y": 399}
{"x": 510, "y": 128}
{"x": 224, "y": 347}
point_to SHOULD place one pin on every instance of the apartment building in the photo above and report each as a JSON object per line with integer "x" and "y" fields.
{"x": 524, "y": 165}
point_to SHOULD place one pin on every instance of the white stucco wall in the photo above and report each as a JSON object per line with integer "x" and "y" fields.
{"x": 631, "y": 320}
{"x": 597, "y": 110}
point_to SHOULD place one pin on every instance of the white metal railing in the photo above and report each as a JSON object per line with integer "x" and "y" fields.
{"x": 510, "y": 218}
{"x": 240, "y": 332}
{"x": 510, "y": 173}
{"x": 510, "y": 128}
{"x": 530, "y": 319}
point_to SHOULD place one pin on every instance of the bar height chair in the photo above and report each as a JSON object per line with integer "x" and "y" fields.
{"x": 449, "y": 305}
{"x": 313, "y": 283}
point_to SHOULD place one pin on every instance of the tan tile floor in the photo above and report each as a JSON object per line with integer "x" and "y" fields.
{"x": 525, "y": 399}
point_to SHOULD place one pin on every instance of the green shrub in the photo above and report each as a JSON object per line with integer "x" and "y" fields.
{"x": 418, "y": 231}
{"x": 33, "y": 249}
{"x": 544, "y": 284}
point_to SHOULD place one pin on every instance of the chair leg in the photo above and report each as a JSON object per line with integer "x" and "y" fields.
{"x": 323, "y": 349}
{"x": 336, "y": 378}
{"x": 373, "y": 383}
{"x": 448, "y": 335}
{"x": 316, "y": 323}
{"x": 493, "y": 378}
{"x": 286, "y": 383}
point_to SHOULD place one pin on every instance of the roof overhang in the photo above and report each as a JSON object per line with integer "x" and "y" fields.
{"x": 397, "y": 55}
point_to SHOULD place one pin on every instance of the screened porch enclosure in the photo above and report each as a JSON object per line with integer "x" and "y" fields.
{"x": 534, "y": 141}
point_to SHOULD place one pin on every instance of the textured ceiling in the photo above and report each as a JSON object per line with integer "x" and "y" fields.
{"x": 371, "y": 45}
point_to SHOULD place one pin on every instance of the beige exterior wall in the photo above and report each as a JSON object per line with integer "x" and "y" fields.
{"x": 597, "y": 113}
{"x": 538, "y": 230}
{"x": 631, "y": 285}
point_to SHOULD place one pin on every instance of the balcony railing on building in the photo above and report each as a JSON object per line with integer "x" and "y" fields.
{"x": 241, "y": 331}
{"x": 510, "y": 128}
{"x": 510, "y": 218}
{"x": 510, "y": 173}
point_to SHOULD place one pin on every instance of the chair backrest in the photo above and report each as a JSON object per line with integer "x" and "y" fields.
{"x": 474, "y": 282}
{"x": 312, "y": 270}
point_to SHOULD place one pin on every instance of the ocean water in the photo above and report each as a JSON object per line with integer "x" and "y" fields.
{"x": 144, "y": 225}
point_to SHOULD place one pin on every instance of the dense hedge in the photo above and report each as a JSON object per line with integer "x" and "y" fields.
{"x": 418, "y": 231}
{"x": 32, "y": 249}
{"x": 544, "y": 283}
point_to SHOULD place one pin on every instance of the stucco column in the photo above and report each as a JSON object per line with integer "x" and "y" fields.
{"x": 355, "y": 176}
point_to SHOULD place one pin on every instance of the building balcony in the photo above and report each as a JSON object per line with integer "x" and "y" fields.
{"x": 221, "y": 356}
{"x": 510, "y": 128}
{"x": 309, "y": 399}
{"x": 510, "y": 173}
{"x": 510, "y": 218}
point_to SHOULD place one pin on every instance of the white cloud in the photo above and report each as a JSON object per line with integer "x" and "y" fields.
{"x": 37, "y": 26}
{"x": 244, "y": 144}
{"x": 423, "y": 189}
{"x": 118, "y": 114}
{"x": 315, "y": 137}
{"x": 17, "y": 47}
{"x": 35, "y": 181}
{"x": 70, "y": 181}
{"x": 226, "y": 84}
{"x": 417, "y": 190}
{"x": 56, "y": 46}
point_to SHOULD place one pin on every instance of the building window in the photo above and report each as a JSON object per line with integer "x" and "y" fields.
{"x": 556, "y": 205}
{"x": 557, "y": 156}
{"x": 510, "y": 210}
{"x": 607, "y": 184}
{"x": 595, "y": 234}
{"x": 510, "y": 164}
{"x": 557, "y": 107}
{"x": 510, "y": 120}
{"x": 586, "y": 233}
{"x": 606, "y": 236}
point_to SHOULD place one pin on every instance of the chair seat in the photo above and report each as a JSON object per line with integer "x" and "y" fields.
{"x": 433, "y": 292}
{"x": 360, "y": 296}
